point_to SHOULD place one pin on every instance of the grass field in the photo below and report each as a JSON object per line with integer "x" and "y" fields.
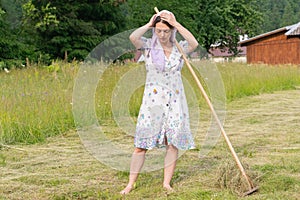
{"x": 37, "y": 102}
{"x": 42, "y": 157}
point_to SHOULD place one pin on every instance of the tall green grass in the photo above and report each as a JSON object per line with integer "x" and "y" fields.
{"x": 242, "y": 80}
{"x": 37, "y": 102}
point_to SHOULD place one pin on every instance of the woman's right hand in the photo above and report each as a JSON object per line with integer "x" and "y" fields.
{"x": 150, "y": 23}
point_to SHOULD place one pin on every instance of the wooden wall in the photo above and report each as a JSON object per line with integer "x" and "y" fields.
{"x": 274, "y": 49}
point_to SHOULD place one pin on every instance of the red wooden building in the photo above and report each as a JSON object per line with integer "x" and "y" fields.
{"x": 281, "y": 46}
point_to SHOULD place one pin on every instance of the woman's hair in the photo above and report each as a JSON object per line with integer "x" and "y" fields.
{"x": 158, "y": 19}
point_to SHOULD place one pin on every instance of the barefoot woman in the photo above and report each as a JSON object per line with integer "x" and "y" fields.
{"x": 163, "y": 120}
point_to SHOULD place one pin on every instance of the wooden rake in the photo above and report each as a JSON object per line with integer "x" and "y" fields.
{"x": 252, "y": 188}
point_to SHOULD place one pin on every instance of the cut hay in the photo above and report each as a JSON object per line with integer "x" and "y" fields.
{"x": 230, "y": 177}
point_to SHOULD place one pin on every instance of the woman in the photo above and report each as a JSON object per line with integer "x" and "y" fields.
{"x": 163, "y": 118}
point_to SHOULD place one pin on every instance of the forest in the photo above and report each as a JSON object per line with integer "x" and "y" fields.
{"x": 39, "y": 31}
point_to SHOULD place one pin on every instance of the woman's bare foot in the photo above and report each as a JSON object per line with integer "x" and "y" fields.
{"x": 127, "y": 189}
{"x": 168, "y": 188}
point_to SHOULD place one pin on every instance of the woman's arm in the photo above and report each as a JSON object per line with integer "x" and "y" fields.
{"x": 135, "y": 36}
{"x": 188, "y": 36}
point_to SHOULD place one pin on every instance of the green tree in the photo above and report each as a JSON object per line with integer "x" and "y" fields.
{"x": 13, "y": 46}
{"x": 221, "y": 22}
{"x": 73, "y": 27}
{"x": 288, "y": 15}
{"x": 278, "y": 13}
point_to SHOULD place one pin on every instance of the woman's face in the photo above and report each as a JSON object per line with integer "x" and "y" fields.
{"x": 163, "y": 32}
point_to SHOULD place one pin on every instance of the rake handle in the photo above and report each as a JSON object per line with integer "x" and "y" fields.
{"x": 238, "y": 162}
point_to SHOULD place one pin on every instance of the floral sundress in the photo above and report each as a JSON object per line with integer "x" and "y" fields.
{"x": 163, "y": 117}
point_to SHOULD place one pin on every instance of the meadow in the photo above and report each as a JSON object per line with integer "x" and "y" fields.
{"x": 41, "y": 155}
{"x": 37, "y": 102}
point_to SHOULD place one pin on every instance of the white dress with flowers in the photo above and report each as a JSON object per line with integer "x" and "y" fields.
{"x": 163, "y": 117}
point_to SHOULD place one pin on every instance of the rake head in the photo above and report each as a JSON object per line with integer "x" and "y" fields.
{"x": 251, "y": 191}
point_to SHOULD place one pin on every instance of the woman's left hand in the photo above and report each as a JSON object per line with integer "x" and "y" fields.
{"x": 168, "y": 17}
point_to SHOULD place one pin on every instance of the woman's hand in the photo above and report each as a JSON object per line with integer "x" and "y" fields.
{"x": 168, "y": 17}
{"x": 150, "y": 23}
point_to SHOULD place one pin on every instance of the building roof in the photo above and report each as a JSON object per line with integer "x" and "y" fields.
{"x": 294, "y": 30}
{"x": 290, "y": 30}
{"x": 217, "y": 52}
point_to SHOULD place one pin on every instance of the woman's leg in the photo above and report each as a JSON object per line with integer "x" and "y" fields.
{"x": 170, "y": 165}
{"x": 137, "y": 161}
